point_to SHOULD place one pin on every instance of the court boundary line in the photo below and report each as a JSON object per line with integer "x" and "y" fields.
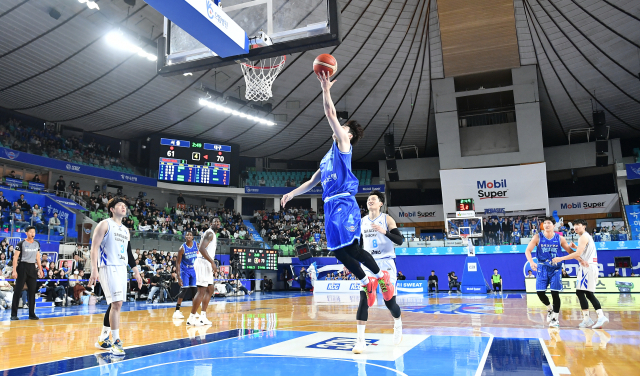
{"x": 483, "y": 360}
{"x": 270, "y": 356}
{"x": 555, "y": 370}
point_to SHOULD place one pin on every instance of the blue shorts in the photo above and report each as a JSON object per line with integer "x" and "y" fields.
{"x": 341, "y": 222}
{"x": 188, "y": 276}
{"x": 549, "y": 276}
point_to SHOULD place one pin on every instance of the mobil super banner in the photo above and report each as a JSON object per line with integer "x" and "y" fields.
{"x": 585, "y": 204}
{"x": 413, "y": 214}
{"x": 514, "y": 188}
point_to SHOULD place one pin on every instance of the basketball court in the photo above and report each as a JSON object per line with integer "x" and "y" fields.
{"x": 279, "y": 333}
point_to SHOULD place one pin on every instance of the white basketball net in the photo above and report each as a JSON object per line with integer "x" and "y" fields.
{"x": 259, "y": 78}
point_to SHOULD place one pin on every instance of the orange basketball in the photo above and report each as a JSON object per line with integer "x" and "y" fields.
{"x": 325, "y": 63}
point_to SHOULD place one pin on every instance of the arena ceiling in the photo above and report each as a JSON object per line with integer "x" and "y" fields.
{"x": 64, "y": 71}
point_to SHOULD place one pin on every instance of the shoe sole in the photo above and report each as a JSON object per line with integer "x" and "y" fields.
{"x": 195, "y": 324}
{"x": 102, "y": 348}
{"x": 357, "y": 351}
{"x": 599, "y": 327}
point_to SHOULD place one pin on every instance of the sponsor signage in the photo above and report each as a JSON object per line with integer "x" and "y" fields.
{"x": 502, "y": 249}
{"x": 13, "y": 182}
{"x": 607, "y": 284}
{"x": 504, "y": 188}
{"x": 412, "y": 286}
{"x": 36, "y": 186}
{"x": 633, "y": 217}
{"x": 415, "y": 214}
{"x": 72, "y": 167}
{"x": 352, "y": 287}
{"x": 585, "y": 204}
{"x": 633, "y": 171}
{"x": 314, "y": 191}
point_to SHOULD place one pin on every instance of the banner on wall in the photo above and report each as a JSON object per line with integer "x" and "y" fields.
{"x": 314, "y": 191}
{"x": 513, "y": 188}
{"x": 633, "y": 217}
{"x": 413, "y": 214}
{"x": 633, "y": 171}
{"x": 585, "y": 204}
{"x": 611, "y": 284}
{"x": 56, "y": 164}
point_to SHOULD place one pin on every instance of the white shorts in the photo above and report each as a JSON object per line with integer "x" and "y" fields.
{"x": 113, "y": 280}
{"x": 204, "y": 273}
{"x": 389, "y": 265}
{"x": 587, "y": 278}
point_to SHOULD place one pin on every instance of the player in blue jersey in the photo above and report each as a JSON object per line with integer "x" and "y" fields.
{"x": 187, "y": 276}
{"x": 341, "y": 211}
{"x": 548, "y": 245}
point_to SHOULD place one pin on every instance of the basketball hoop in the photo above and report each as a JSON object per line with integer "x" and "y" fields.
{"x": 259, "y": 78}
{"x": 465, "y": 239}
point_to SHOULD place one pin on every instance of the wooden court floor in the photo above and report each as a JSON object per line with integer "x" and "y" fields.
{"x": 615, "y": 350}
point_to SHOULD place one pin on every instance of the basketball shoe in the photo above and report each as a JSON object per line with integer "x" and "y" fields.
{"x": 586, "y": 322}
{"x": 397, "y": 333}
{"x": 386, "y": 286}
{"x": 370, "y": 289}
{"x": 178, "y": 315}
{"x": 359, "y": 347}
{"x": 116, "y": 348}
{"x": 194, "y": 320}
{"x": 104, "y": 344}
{"x": 601, "y": 321}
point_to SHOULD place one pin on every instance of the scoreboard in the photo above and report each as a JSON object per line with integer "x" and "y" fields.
{"x": 256, "y": 258}
{"x": 194, "y": 162}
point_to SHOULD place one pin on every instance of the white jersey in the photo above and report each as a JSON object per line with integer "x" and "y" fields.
{"x": 113, "y": 248}
{"x": 590, "y": 253}
{"x": 374, "y": 242}
{"x": 211, "y": 248}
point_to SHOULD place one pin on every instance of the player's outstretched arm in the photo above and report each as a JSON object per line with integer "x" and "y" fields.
{"x": 330, "y": 110}
{"x": 98, "y": 235}
{"x": 393, "y": 233}
{"x": 305, "y": 187}
{"x": 202, "y": 248}
{"x": 532, "y": 244}
{"x": 582, "y": 245}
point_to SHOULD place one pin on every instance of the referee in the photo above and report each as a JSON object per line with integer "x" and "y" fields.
{"x": 26, "y": 258}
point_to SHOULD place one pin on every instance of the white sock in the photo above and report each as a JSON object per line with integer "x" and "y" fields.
{"x": 361, "y": 332}
{"x": 600, "y": 313}
{"x": 555, "y": 315}
{"x": 105, "y": 333}
{"x": 549, "y": 307}
{"x": 364, "y": 281}
{"x": 116, "y": 334}
{"x": 380, "y": 274}
{"x": 398, "y": 321}
{"x": 585, "y": 314}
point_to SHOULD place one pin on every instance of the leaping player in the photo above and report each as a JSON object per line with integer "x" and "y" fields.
{"x": 110, "y": 254}
{"x": 587, "y": 274}
{"x": 548, "y": 244}
{"x": 379, "y": 233}
{"x": 187, "y": 277}
{"x": 341, "y": 211}
{"x": 204, "y": 267}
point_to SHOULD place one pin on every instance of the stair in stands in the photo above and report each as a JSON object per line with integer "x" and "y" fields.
{"x": 253, "y": 232}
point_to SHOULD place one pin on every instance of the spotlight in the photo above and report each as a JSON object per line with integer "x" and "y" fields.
{"x": 206, "y": 102}
{"x": 117, "y": 39}
{"x": 90, "y": 4}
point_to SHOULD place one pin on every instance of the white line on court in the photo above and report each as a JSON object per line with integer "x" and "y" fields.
{"x": 484, "y": 357}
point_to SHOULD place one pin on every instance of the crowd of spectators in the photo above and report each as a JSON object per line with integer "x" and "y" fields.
{"x": 48, "y": 142}
{"x": 22, "y": 214}
{"x": 294, "y": 226}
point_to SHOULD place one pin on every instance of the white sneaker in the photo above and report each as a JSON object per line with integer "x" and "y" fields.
{"x": 397, "y": 334}
{"x": 587, "y": 322}
{"x": 1, "y": 307}
{"x": 58, "y": 300}
{"x": 359, "y": 347}
{"x": 205, "y": 320}
{"x": 178, "y": 315}
{"x": 601, "y": 321}
{"x": 194, "y": 321}
{"x": 549, "y": 315}
{"x": 26, "y": 306}
{"x": 554, "y": 323}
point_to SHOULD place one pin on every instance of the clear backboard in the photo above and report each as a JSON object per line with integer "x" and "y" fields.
{"x": 292, "y": 25}
{"x": 471, "y": 227}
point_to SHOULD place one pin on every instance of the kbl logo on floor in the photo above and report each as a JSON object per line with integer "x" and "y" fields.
{"x": 484, "y": 193}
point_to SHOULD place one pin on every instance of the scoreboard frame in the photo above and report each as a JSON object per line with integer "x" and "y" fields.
{"x": 246, "y": 265}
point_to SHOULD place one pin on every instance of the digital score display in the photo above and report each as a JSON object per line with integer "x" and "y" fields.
{"x": 194, "y": 162}
{"x": 465, "y": 204}
{"x": 256, "y": 258}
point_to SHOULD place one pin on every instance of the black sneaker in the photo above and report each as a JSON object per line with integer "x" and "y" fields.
{"x": 14, "y": 318}
{"x": 34, "y": 317}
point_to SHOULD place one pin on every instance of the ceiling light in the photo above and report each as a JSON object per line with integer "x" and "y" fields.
{"x": 117, "y": 39}
{"x": 206, "y": 102}
{"x": 187, "y": 74}
{"x": 90, "y": 4}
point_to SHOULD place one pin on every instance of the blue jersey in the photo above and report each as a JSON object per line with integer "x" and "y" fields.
{"x": 548, "y": 248}
{"x": 335, "y": 173}
{"x": 189, "y": 255}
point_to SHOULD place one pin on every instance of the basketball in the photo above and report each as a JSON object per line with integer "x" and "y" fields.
{"x": 325, "y": 63}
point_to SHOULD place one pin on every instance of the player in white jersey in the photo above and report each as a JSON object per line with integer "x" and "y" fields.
{"x": 379, "y": 233}
{"x": 110, "y": 255}
{"x": 204, "y": 267}
{"x": 588, "y": 271}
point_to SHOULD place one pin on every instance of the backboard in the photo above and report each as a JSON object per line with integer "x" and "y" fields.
{"x": 292, "y": 25}
{"x": 464, "y": 226}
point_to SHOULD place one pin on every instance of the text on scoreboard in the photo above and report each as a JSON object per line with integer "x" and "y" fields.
{"x": 194, "y": 162}
{"x": 256, "y": 258}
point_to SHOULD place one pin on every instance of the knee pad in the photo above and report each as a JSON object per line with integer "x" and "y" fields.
{"x": 394, "y": 308}
{"x": 363, "y": 308}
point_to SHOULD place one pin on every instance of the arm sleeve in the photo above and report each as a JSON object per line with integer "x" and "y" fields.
{"x": 130, "y": 260}
{"x": 395, "y": 236}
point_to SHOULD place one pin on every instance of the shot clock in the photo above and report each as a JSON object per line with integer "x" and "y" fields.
{"x": 465, "y": 204}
